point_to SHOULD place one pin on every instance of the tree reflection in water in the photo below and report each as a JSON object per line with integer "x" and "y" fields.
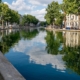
{"x": 72, "y": 58}
{"x": 53, "y": 43}
{"x": 29, "y": 34}
{"x": 9, "y": 40}
{"x": 71, "y": 55}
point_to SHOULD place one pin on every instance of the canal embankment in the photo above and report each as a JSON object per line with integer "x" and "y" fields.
{"x": 70, "y": 30}
{"x": 7, "y": 71}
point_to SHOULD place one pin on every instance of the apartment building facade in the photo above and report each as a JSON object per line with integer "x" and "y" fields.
{"x": 72, "y": 21}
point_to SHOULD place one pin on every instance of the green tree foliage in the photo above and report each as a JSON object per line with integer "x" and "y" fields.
{"x": 53, "y": 12}
{"x": 27, "y": 19}
{"x": 3, "y": 9}
{"x": 0, "y": 1}
{"x": 71, "y": 6}
{"x": 14, "y": 16}
{"x": 59, "y": 19}
{"x": 43, "y": 23}
{"x": 7, "y": 14}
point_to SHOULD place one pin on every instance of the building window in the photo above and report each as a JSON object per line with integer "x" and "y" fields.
{"x": 75, "y": 17}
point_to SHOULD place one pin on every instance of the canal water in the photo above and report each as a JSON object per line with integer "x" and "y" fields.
{"x": 43, "y": 55}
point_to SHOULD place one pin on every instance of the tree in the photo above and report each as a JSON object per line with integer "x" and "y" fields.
{"x": 53, "y": 11}
{"x": 0, "y": 1}
{"x": 70, "y": 7}
{"x": 43, "y": 23}
{"x": 8, "y": 15}
{"x": 3, "y": 10}
{"x": 59, "y": 20}
{"x": 14, "y": 16}
{"x": 27, "y": 19}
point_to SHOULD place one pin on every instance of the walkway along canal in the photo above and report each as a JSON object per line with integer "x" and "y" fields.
{"x": 7, "y": 71}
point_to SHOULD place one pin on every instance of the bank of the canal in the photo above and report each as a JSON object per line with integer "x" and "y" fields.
{"x": 7, "y": 71}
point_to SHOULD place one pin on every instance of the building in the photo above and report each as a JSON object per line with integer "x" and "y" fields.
{"x": 72, "y": 21}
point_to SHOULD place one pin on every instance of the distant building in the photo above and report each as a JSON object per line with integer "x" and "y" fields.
{"x": 72, "y": 21}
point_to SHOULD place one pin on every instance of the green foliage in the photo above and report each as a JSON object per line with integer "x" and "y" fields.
{"x": 3, "y": 9}
{"x": 43, "y": 23}
{"x": 54, "y": 11}
{"x": 15, "y": 17}
{"x": 27, "y": 19}
{"x": 53, "y": 14}
{"x": 0, "y": 1}
{"x": 59, "y": 20}
{"x": 71, "y": 6}
{"x": 8, "y": 15}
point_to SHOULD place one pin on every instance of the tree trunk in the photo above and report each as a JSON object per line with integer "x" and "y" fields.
{"x": 64, "y": 20}
{"x": 2, "y": 25}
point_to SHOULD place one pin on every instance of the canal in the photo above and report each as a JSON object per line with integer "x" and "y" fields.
{"x": 43, "y": 55}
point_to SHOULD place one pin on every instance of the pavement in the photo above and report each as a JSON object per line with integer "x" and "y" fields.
{"x": 7, "y": 71}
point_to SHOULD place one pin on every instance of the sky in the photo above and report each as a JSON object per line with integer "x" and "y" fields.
{"x": 36, "y": 8}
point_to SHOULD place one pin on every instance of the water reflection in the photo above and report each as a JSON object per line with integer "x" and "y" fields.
{"x": 35, "y": 49}
{"x": 29, "y": 33}
{"x": 8, "y": 38}
{"x": 7, "y": 41}
{"x": 72, "y": 39}
{"x": 68, "y": 45}
{"x": 53, "y": 43}
{"x": 72, "y": 51}
{"x": 60, "y": 50}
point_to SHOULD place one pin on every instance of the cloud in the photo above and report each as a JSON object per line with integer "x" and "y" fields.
{"x": 23, "y": 44}
{"x": 40, "y": 56}
{"x": 42, "y": 2}
{"x": 33, "y": 7}
{"x": 20, "y": 5}
{"x": 39, "y": 14}
{"x": 35, "y": 49}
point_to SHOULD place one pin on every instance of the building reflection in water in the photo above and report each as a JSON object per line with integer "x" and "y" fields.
{"x": 72, "y": 39}
{"x": 67, "y": 44}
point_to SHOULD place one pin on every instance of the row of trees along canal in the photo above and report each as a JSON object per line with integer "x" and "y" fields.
{"x": 56, "y": 13}
{"x": 9, "y": 16}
